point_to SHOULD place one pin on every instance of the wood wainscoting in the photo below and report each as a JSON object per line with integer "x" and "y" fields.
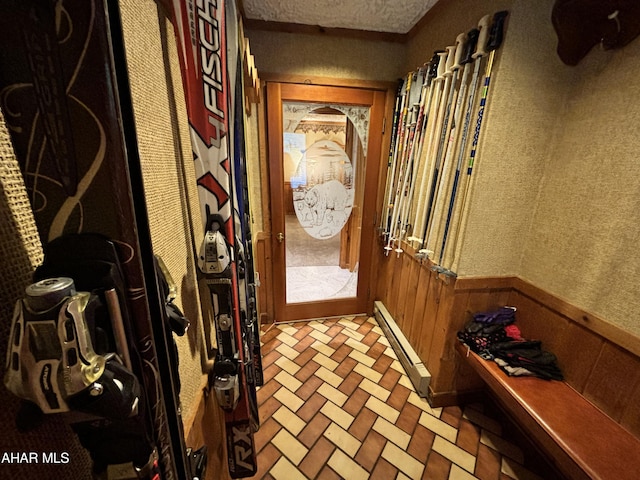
{"x": 264, "y": 269}
{"x": 599, "y": 360}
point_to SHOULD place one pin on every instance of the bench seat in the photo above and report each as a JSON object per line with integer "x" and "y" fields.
{"x": 579, "y": 439}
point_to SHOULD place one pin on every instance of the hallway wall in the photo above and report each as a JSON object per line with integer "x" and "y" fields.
{"x": 583, "y": 239}
{"x": 528, "y": 85}
{"x": 172, "y": 201}
{"x": 329, "y": 57}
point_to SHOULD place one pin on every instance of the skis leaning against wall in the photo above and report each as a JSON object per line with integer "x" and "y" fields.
{"x": 208, "y": 49}
{"x": 89, "y": 335}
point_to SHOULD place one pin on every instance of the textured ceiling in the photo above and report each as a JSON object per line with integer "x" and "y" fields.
{"x": 393, "y": 16}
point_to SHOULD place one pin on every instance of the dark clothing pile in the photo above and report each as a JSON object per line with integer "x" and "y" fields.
{"x": 494, "y": 336}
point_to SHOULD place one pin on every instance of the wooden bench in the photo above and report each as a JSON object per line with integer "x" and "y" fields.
{"x": 578, "y": 438}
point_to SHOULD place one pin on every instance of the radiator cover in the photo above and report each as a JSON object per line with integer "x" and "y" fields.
{"x": 417, "y": 372}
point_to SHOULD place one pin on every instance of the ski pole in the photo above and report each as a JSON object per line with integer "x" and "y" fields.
{"x": 416, "y": 149}
{"x": 405, "y": 201}
{"x": 463, "y": 57}
{"x": 391, "y": 164}
{"x": 439, "y": 158}
{"x": 430, "y": 114}
{"x": 484, "y": 28}
{"x": 441, "y": 95}
{"x": 407, "y": 162}
{"x": 495, "y": 40}
{"x": 400, "y": 165}
{"x": 394, "y": 159}
{"x": 481, "y": 35}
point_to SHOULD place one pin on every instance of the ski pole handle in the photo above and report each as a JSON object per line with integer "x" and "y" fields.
{"x": 432, "y": 68}
{"x": 497, "y": 30}
{"x": 442, "y": 65}
{"x": 451, "y": 54}
{"x": 461, "y": 41}
{"x": 484, "y": 29}
{"x": 470, "y": 46}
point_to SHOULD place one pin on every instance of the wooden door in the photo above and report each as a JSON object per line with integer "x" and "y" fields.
{"x": 323, "y": 183}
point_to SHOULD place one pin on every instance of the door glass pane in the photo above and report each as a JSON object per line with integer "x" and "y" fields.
{"x": 324, "y": 163}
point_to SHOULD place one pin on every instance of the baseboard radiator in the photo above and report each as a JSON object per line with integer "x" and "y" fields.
{"x": 417, "y": 372}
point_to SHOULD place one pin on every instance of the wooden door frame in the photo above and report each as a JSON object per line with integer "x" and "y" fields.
{"x": 377, "y": 99}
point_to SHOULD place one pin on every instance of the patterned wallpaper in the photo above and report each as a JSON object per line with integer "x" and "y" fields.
{"x": 160, "y": 115}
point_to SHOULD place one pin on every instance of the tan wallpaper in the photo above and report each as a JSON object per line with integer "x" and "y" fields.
{"x": 528, "y": 84}
{"x": 451, "y": 17}
{"x": 171, "y": 201}
{"x": 319, "y": 56}
{"x": 584, "y": 239}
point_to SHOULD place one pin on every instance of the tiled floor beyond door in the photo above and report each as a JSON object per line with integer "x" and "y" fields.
{"x": 337, "y": 404}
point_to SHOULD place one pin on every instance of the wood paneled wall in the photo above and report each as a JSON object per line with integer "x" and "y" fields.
{"x": 598, "y": 359}
{"x": 264, "y": 267}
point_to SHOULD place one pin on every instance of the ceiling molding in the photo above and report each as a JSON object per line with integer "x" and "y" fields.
{"x": 328, "y": 81}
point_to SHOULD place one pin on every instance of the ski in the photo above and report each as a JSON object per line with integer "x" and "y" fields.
{"x": 65, "y": 96}
{"x": 208, "y": 50}
{"x": 243, "y": 214}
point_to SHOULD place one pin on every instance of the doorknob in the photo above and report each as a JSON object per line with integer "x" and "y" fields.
{"x": 280, "y": 237}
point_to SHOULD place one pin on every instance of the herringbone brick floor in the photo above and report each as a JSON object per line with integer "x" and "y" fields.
{"x": 336, "y": 403}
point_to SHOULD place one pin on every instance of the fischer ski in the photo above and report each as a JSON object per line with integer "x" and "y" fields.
{"x": 207, "y": 45}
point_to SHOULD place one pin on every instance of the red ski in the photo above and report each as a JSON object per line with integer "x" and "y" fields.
{"x": 202, "y": 44}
